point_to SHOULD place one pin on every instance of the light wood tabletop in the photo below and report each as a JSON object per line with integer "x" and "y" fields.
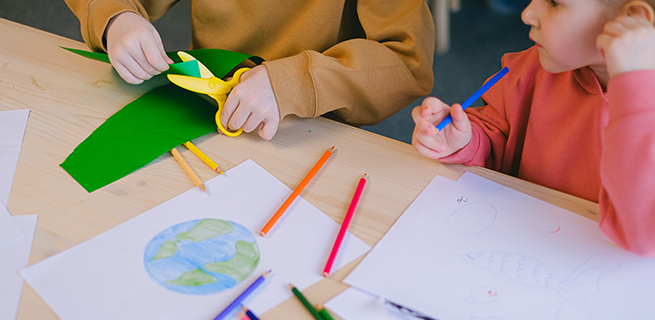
{"x": 70, "y": 96}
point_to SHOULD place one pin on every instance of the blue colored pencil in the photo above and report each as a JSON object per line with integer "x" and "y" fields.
{"x": 475, "y": 96}
{"x": 249, "y": 313}
{"x": 242, "y": 296}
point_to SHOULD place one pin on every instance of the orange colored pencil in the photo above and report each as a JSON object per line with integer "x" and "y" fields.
{"x": 344, "y": 226}
{"x": 296, "y": 192}
{"x": 192, "y": 174}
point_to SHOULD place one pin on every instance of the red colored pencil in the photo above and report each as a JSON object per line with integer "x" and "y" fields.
{"x": 344, "y": 225}
{"x": 296, "y": 192}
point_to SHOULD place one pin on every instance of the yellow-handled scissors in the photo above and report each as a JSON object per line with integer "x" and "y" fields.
{"x": 209, "y": 85}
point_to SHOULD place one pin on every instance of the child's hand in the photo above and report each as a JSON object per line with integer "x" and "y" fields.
{"x": 435, "y": 144}
{"x": 251, "y": 105}
{"x": 628, "y": 44}
{"x": 135, "y": 48}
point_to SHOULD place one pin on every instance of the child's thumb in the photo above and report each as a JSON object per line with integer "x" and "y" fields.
{"x": 460, "y": 120}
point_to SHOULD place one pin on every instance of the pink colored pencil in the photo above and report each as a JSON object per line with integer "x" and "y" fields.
{"x": 344, "y": 226}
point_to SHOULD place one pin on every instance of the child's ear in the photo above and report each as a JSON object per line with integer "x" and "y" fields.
{"x": 639, "y": 8}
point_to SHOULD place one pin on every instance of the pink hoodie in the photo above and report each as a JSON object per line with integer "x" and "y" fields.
{"x": 562, "y": 131}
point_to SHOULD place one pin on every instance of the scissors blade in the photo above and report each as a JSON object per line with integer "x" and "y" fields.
{"x": 204, "y": 72}
{"x": 212, "y": 86}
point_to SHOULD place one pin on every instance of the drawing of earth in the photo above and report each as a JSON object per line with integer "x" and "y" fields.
{"x": 201, "y": 256}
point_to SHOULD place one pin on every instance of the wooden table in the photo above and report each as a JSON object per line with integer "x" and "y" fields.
{"x": 71, "y": 96}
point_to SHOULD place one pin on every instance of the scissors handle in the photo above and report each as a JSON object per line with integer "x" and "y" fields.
{"x": 236, "y": 78}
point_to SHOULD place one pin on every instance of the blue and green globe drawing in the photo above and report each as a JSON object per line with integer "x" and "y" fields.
{"x": 202, "y": 256}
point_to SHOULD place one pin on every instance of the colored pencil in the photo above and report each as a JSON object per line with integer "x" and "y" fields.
{"x": 187, "y": 169}
{"x": 475, "y": 96}
{"x": 242, "y": 296}
{"x": 344, "y": 226}
{"x": 242, "y": 316}
{"x": 203, "y": 157}
{"x": 306, "y": 303}
{"x": 296, "y": 192}
{"x": 324, "y": 312}
{"x": 249, "y": 313}
{"x": 407, "y": 311}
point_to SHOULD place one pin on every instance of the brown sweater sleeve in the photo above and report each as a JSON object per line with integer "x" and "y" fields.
{"x": 362, "y": 81}
{"x": 94, "y": 15}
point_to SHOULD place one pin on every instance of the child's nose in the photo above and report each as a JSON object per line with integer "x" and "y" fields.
{"x": 528, "y": 15}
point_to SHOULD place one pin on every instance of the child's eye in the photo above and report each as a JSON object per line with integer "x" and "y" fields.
{"x": 552, "y": 2}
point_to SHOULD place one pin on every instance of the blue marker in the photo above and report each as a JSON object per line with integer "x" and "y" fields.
{"x": 475, "y": 96}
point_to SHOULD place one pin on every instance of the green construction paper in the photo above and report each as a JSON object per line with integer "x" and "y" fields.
{"x": 216, "y": 60}
{"x": 91, "y": 55}
{"x": 149, "y": 126}
{"x": 189, "y": 68}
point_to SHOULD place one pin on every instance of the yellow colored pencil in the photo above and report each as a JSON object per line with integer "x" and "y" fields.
{"x": 187, "y": 169}
{"x": 203, "y": 157}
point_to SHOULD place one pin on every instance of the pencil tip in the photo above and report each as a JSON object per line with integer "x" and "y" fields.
{"x": 262, "y": 233}
{"x": 332, "y": 149}
{"x": 325, "y": 274}
{"x": 292, "y": 286}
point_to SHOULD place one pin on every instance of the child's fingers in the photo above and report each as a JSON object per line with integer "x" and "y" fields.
{"x": 153, "y": 55}
{"x": 244, "y": 115}
{"x": 252, "y": 122}
{"x": 267, "y": 129}
{"x": 132, "y": 58}
{"x": 128, "y": 69}
{"x": 429, "y": 140}
{"x": 423, "y": 149}
{"x": 162, "y": 51}
{"x": 239, "y": 117}
{"x": 434, "y": 109}
{"x": 230, "y": 106}
{"x": 460, "y": 121}
{"x": 136, "y": 68}
{"x": 416, "y": 114}
{"x": 124, "y": 73}
{"x": 426, "y": 128}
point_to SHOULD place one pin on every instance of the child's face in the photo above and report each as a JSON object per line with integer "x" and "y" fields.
{"x": 565, "y": 32}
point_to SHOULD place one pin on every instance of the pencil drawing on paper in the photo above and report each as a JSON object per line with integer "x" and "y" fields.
{"x": 474, "y": 217}
{"x": 482, "y": 294}
{"x": 201, "y": 256}
{"x": 573, "y": 290}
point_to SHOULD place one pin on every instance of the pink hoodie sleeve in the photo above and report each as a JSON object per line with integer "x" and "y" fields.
{"x": 627, "y": 197}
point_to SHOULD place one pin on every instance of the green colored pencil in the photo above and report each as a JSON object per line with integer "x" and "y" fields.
{"x": 306, "y": 303}
{"x": 325, "y": 313}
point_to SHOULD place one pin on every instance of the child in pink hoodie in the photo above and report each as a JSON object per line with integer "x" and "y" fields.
{"x": 575, "y": 113}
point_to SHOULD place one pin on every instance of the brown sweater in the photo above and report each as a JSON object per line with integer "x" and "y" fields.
{"x": 360, "y": 61}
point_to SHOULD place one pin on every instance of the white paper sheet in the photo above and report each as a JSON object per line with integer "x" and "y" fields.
{"x": 354, "y": 304}
{"x": 481, "y": 251}
{"x": 10, "y": 231}
{"x": 12, "y": 130}
{"x": 12, "y": 259}
{"x": 105, "y": 277}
